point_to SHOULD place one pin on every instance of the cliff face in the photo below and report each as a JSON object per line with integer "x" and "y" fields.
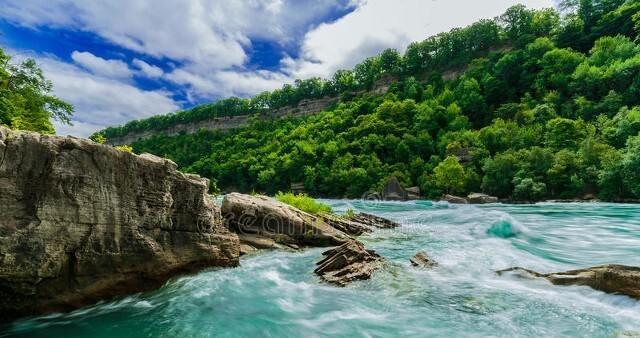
{"x": 80, "y": 222}
{"x": 304, "y": 108}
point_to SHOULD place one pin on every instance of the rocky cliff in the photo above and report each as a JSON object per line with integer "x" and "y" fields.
{"x": 82, "y": 222}
{"x": 304, "y": 108}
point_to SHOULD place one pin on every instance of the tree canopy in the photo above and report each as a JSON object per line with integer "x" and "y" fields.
{"x": 26, "y": 101}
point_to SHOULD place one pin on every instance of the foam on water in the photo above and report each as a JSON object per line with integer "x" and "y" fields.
{"x": 276, "y": 293}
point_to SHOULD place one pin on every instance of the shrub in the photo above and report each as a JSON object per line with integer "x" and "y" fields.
{"x": 304, "y": 203}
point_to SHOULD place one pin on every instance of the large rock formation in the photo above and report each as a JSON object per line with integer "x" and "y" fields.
{"x": 618, "y": 279}
{"x": 347, "y": 263}
{"x": 265, "y": 217}
{"x": 82, "y": 222}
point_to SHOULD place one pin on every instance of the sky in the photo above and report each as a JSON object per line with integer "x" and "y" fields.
{"x": 121, "y": 60}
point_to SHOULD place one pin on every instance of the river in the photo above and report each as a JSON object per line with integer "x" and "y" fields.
{"x": 276, "y": 294}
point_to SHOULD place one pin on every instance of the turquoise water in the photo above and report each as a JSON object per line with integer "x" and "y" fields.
{"x": 276, "y": 294}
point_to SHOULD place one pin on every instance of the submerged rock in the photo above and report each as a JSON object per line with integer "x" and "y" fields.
{"x": 421, "y": 259}
{"x": 349, "y": 262}
{"x": 82, "y": 222}
{"x": 454, "y": 199}
{"x": 616, "y": 279}
{"x": 477, "y": 198}
{"x": 266, "y": 217}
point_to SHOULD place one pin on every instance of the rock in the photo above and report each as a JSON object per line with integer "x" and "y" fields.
{"x": 413, "y": 193}
{"x": 349, "y": 226}
{"x": 617, "y": 279}
{"x": 393, "y": 191}
{"x": 374, "y": 221}
{"x": 454, "y": 199}
{"x": 82, "y": 222}
{"x": 477, "y": 198}
{"x": 347, "y": 263}
{"x": 422, "y": 260}
{"x": 265, "y": 217}
{"x": 246, "y": 249}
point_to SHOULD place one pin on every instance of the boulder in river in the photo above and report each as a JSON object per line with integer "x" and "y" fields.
{"x": 393, "y": 191}
{"x": 478, "y": 198}
{"x": 413, "y": 193}
{"x": 421, "y": 259}
{"x": 349, "y": 262}
{"x": 612, "y": 278}
{"x": 82, "y": 222}
{"x": 454, "y": 199}
{"x": 263, "y": 216}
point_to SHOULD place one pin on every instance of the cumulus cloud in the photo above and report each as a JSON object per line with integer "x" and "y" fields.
{"x": 204, "y": 46}
{"x": 205, "y": 34}
{"x": 100, "y": 101}
{"x": 148, "y": 70}
{"x": 103, "y": 67}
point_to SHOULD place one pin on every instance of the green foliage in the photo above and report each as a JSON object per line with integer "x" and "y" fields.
{"x": 98, "y": 138}
{"x": 304, "y": 203}
{"x": 349, "y": 213}
{"x": 450, "y": 175}
{"x": 26, "y": 102}
{"x": 125, "y": 148}
{"x": 544, "y": 106}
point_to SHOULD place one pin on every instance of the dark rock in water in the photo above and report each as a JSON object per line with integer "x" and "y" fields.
{"x": 477, "y": 198}
{"x": 82, "y": 222}
{"x": 374, "y": 221}
{"x": 393, "y": 191}
{"x": 422, "y": 260}
{"x": 454, "y": 199}
{"x": 616, "y": 279}
{"x": 349, "y": 262}
{"x": 263, "y": 216}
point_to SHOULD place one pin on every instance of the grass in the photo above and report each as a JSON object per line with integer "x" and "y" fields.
{"x": 304, "y": 203}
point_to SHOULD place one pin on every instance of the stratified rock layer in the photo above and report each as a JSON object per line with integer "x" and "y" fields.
{"x": 347, "y": 263}
{"x": 612, "y": 278}
{"x": 266, "y": 217}
{"x": 81, "y": 222}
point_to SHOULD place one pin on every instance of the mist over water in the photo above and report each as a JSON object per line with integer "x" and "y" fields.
{"x": 276, "y": 294}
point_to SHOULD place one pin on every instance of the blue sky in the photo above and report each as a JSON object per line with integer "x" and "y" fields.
{"x": 120, "y": 60}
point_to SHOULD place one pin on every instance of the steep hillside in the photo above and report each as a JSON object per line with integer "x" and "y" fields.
{"x": 545, "y": 106}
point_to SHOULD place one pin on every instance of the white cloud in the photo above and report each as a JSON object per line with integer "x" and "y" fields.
{"x": 116, "y": 69}
{"x": 376, "y": 25}
{"x": 99, "y": 101}
{"x": 227, "y": 83}
{"x": 207, "y": 44}
{"x": 148, "y": 70}
{"x": 207, "y": 35}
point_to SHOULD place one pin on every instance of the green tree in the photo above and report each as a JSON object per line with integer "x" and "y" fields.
{"x": 26, "y": 101}
{"x": 450, "y": 175}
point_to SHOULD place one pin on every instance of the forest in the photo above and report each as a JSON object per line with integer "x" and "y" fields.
{"x": 546, "y": 106}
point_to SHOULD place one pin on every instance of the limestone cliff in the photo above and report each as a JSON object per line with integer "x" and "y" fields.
{"x": 80, "y": 222}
